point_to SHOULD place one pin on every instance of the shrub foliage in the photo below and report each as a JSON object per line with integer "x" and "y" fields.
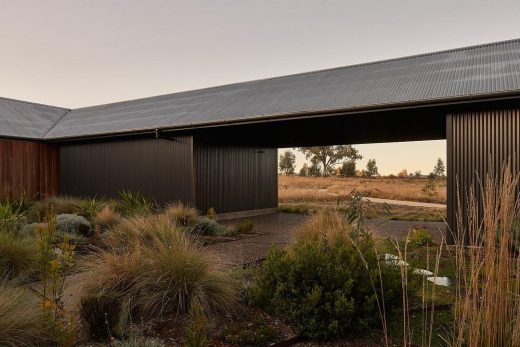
{"x": 329, "y": 286}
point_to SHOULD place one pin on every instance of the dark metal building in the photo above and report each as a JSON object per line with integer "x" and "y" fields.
{"x": 216, "y": 147}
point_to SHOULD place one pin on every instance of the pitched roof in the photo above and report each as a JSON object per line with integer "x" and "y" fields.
{"x": 483, "y": 70}
{"x": 21, "y": 119}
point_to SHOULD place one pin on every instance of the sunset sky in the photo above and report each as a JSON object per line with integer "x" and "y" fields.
{"x": 79, "y": 53}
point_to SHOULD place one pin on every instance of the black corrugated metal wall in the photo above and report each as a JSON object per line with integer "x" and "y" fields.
{"x": 157, "y": 168}
{"x": 478, "y": 141}
{"x": 232, "y": 178}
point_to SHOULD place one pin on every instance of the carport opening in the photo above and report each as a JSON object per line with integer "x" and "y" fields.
{"x": 408, "y": 186}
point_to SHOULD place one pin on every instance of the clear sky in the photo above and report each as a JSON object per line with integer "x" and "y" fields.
{"x": 75, "y": 53}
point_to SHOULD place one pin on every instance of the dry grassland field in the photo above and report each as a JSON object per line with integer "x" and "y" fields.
{"x": 307, "y": 194}
{"x": 296, "y": 189}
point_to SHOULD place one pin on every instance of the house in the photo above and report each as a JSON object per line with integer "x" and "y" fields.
{"x": 216, "y": 147}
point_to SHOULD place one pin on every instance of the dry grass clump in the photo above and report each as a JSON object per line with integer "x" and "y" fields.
{"x": 487, "y": 310}
{"x": 141, "y": 230}
{"x": 181, "y": 214}
{"x": 107, "y": 217}
{"x": 323, "y": 189}
{"x": 328, "y": 224}
{"x": 154, "y": 268}
{"x": 20, "y": 321}
{"x": 18, "y": 254}
{"x": 56, "y": 205}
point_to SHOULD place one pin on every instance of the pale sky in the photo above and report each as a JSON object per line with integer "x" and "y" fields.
{"x": 73, "y": 53}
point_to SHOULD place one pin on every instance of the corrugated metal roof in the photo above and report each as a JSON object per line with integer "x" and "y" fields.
{"x": 471, "y": 71}
{"x": 21, "y": 119}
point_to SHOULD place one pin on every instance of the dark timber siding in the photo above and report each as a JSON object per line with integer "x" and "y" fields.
{"x": 478, "y": 142}
{"x": 235, "y": 178}
{"x": 157, "y": 168}
{"x": 28, "y": 167}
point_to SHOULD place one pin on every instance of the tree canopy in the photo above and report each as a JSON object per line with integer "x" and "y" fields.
{"x": 287, "y": 163}
{"x": 371, "y": 169}
{"x": 330, "y": 156}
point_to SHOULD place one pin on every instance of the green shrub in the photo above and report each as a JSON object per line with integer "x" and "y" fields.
{"x": 197, "y": 329}
{"x": 212, "y": 214}
{"x": 101, "y": 315}
{"x": 90, "y": 207}
{"x": 73, "y": 224}
{"x": 210, "y": 227}
{"x": 420, "y": 237}
{"x": 244, "y": 227}
{"x": 134, "y": 204}
{"x": 328, "y": 287}
{"x": 251, "y": 334}
{"x": 181, "y": 214}
{"x": 18, "y": 255}
{"x": 140, "y": 342}
{"x": 19, "y": 316}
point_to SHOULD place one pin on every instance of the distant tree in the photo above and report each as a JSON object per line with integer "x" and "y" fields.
{"x": 304, "y": 171}
{"x": 348, "y": 169}
{"x": 371, "y": 169}
{"x": 287, "y": 163}
{"x": 330, "y": 156}
{"x": 417, "y": 174}
{"x": 361, "y": 173}
{"x": 315, "y": 170}
{"x": 438, "y": 170}
{"x": 402, "y": 174}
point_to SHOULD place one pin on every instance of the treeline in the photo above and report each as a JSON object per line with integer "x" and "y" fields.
{"x": 341, "y": 161}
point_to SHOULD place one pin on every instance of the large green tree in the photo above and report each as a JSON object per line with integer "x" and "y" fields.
{"x": 438, "y": 170}
{"x": 330, "y": 156}
{"x": 371, "y": 169}
{"x": 287, "y": 163}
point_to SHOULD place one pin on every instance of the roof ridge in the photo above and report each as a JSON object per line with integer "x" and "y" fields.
{"x": 34, "y": 103}
{"x": 375, "y": 62}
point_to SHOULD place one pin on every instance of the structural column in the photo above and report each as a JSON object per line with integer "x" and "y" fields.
{"x": 478, "y": 143}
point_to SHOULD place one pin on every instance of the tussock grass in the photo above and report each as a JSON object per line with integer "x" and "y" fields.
{"x": 18, "y": 254}
{"x": 107, "y": 217}
{"x": 155, "y": 268}
{"x": 181, "y": 214}
{"x": 20, "y": 323}
{"x": 57, "y": 205}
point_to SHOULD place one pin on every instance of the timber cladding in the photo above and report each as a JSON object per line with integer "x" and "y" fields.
{"x": 30, "y": 168}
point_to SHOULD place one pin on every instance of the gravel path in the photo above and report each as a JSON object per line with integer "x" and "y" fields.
{"x": 279, "y": 229}
{"x": 405, "y": 203}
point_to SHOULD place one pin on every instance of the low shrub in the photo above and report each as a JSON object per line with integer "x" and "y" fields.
{"x": 106, "y": 218}
{"x": 55, "y": 205}
{"x": 157, "y": 271}
{"x": 90, "y": 207}
{"x": 298, "y": 209}
{"x": 181, "y": 214}
{"x": 328, "y": 285}
{"x": 20, "y": 323}
{"x": 212, "y": 213}
{"x": 73, "y": 224}
{"x": 139, "y": 342}
{"x": 198, "y": 328}
{"x": 244, "y": 227}
{"x": 420, "y": 237}
{"x": 134, "y": 204}
{"x": 102, "y": 316}
{"x": 256, "y": 333}
{"x": 18, "y": 255}
{"x": 210, "y": 227}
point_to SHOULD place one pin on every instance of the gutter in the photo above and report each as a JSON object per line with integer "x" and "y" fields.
{"x": 515, "y": 94}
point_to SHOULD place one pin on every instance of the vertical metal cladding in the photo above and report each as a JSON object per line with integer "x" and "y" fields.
{"x": 160, "y": 169}
{"x": 233, "y": 178}
{"x": 478, "y": 143}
